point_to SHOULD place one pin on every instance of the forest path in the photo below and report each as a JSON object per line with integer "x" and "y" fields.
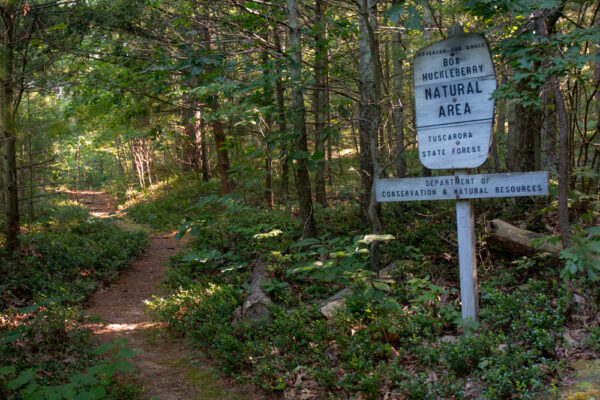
{"x": 165, "y": 366}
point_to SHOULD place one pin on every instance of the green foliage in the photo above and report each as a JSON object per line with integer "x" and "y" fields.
{"x": 71, "y": 260}
{"x": 164, "y": 208}
{"x": 583, "y": 257}
{"x": 50, "y": 357}
{"x": 46, "y": 352}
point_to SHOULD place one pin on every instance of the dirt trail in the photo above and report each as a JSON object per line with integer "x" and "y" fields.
{"x": 167, "y": 371}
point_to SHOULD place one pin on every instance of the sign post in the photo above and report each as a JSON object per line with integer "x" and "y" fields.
{"x": 467, "y": 261}
{"x": 453, "y": 81}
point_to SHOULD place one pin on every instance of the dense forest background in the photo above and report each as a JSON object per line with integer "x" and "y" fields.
{"x": 234, "y": 119}
{"x": 281, "y": 101}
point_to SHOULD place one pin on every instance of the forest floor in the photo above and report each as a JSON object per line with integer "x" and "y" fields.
{"x": 165, "y": 365}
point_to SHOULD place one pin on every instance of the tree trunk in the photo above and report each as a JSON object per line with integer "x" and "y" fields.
{"x": 500, "y": 130}
{"x": 528, "y": 126}
{"x": 369, "y": 108}
{"x": 191, "y": 152}
{"x": 222, "y": 155}
{"x": 321, "y": 69}
{"x": 204, "y": 154}
{"x": 11, "y": 193}
{"x": 223, "y": 165}
{"x": 511, "y": 140}
{"x": 301, "y": 163}
{"x": 563, "y": 135}
{"x": 370, "y": 117}
{"x": 563, "y": 163}
{"x": 397, "y": 106}
{"x": 282, "y": 123}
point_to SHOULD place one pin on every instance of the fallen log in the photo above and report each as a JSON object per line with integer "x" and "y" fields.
{"x": 517, "y": 240}
{"x": 256, "y": 304}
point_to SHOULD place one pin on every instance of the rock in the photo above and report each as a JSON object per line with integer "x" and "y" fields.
{"x": 447, "y": 339}
{"x": 578, "y": 299}
{"x": 330, "y": 306}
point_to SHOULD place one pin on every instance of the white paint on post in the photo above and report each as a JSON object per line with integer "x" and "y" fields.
{"x": 454, "y": 79}
{"x": 467, "y": 261}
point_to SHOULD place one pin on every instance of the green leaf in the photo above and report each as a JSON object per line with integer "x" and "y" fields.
{"x": 29, "y": 309}
{"x": 7, "y": 370}
{"x": 593, "y": 231}
{"x": 127, "y": 352}
{"x": 51, "y": 393}
{"x": 381, "y": 286}
{"x": 372, "y": 238}
{"x": 96, "y": 393}
{"x": 103, "y": 348}
{"x": 34, "y": 395}
{"x": 82, "y": 379}
{"x": 572, "y": 268}
{"x": 305, "y": 242}
{"x": 23, "y": 378}
{"x": 11, "y": 337}
{"x": 123, "y": 365}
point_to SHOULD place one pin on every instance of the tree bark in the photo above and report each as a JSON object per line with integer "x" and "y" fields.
{"x": 321, "y": 70}
{"x": 517, "y": 240}
{"x": 282, "y": 123}
{"x": 528, "y": 127}
{"x": 204, "y": 154}
{"x": 191, "y": 123}
{"x": 370, "y": 118}
{"x": 301, "y": 163}
{"x": 397, "y": 106}
{"x": 256, "y": 305}
{"x": 223, "y": 165}
{"x": 563, "y": 135}
{"x": 9, "y": 128}
{"x": 369, "y": 108}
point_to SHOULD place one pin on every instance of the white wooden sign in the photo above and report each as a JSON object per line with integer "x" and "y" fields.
{"x": 462, "y": 187}
{"x": 453, "y": 80}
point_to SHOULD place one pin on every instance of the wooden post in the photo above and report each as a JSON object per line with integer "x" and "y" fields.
{"x": 467, "y": 261}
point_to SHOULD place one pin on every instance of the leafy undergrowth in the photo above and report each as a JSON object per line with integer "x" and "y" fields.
{"x": 46, "y": 351}
{"x": 166, "y": 210}
{"x": 399, "y": 335}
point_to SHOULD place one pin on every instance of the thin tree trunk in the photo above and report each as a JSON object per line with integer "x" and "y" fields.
{"x": 192, "y": 158}
{"x": 204, "y": 153}
{"x": 11, "y": 194}
{"x": 321, "y": 69}
{"x": 222, "y": 155}
{"x": 369, "y": 112}
{"x": 223, "y": 165}
{"x": 302, "y": 175}
{"x": 543, "y": 29}
{"x": 563, "y": 163}
{"x": 397, "y": 106}
{"x": 500, "y": 129}
{"x": 282, "y": 123}
{"x": 370, "y": 117}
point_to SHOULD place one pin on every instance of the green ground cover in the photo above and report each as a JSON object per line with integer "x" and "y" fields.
{"x": 401, "y": 334}
{"x": 46, "y": 351}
